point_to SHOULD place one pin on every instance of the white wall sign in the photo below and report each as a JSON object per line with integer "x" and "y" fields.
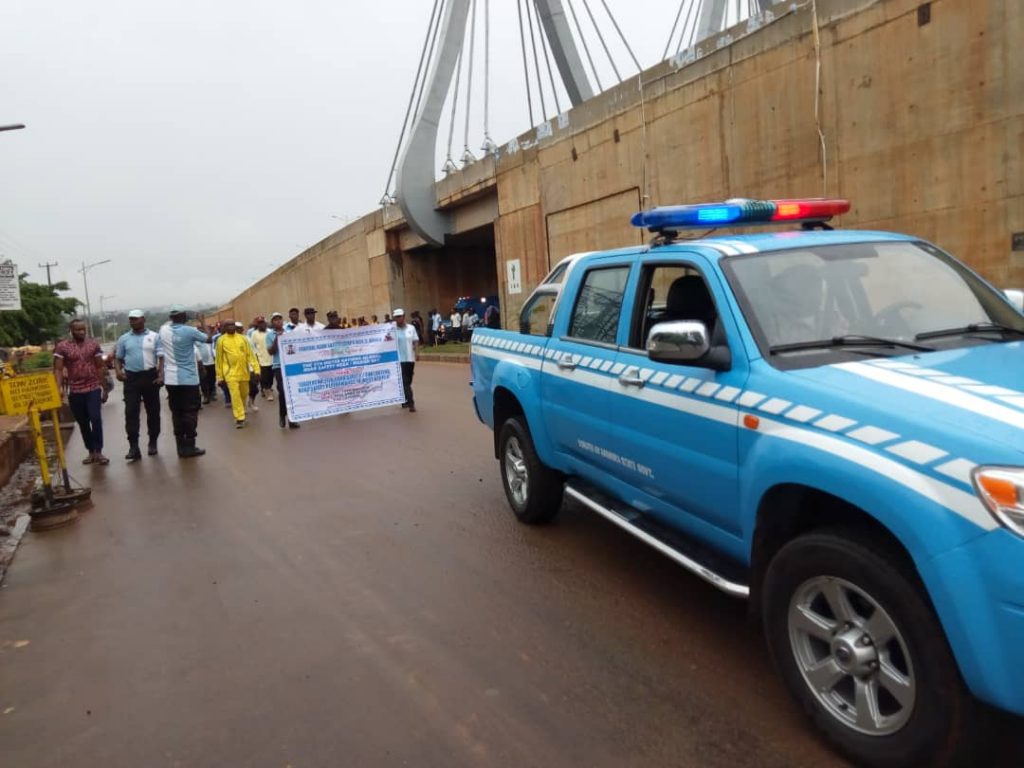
{"x": 513, "y": 277}
{"x": 10, "y": 290}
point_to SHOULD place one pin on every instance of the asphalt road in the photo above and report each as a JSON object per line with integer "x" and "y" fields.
{"x": 356, "y": 593}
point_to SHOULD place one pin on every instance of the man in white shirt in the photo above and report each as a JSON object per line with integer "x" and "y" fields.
{"x": 456, "y": 319}
{"x": 408, "y": 350}
{"x": 310, "y": 323}
{"x": 469, "y": 322}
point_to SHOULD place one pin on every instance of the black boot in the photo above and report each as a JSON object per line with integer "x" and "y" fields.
{"x": 152, "y": 447}
{"x": 189, "y": 450}
{"x": 134, "y": 454}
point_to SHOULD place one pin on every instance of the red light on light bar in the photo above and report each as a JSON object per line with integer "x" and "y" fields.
{"x": 786, "y": 210}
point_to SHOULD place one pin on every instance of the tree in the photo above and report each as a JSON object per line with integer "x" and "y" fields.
{"x": 43, "y": 316}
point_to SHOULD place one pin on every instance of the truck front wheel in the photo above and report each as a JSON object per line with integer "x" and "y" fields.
{"x": 859, "y": 646}
{"x": 533, "y": 491}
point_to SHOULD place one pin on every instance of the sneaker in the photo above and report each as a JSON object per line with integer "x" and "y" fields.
{"x": 240, "y": 424}
{"x": 152, "y": 448}
{"x": 293, "y": 425}
{"x": 253, "y": 408}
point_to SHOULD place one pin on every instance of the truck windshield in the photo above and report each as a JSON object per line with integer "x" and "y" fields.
{"x": 902, "y": 291}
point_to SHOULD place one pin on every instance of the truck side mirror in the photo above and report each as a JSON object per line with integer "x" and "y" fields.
{"x": 1016, "y": 298}
{"x": 686, "y": 342}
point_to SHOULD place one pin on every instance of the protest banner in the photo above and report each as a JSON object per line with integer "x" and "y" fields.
{"x": 338, "y": 371}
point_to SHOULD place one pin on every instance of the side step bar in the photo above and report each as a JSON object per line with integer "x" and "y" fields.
{"x": 634, "y": 523}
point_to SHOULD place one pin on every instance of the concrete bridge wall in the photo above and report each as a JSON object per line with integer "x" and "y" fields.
{"x": 915, "y": 115}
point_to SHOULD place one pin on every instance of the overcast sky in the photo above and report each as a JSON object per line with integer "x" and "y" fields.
{"x": 200, "y": 144}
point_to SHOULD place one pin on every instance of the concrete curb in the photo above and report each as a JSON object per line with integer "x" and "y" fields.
{"x": 426, "y": 357}
{"x": 9, "y": 544}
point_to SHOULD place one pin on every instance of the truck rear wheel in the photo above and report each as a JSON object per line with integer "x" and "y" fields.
{"x": 533, "y": 491}
{"x": 859, "y": 646}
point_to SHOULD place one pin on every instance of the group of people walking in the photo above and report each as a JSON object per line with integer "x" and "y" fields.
{"x": 190, "y": 361}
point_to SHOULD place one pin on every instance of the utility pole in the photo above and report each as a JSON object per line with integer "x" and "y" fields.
{"x": 103, "y": 318}
{"x": 85, "y": 280}
{"x": 47, "y": 267}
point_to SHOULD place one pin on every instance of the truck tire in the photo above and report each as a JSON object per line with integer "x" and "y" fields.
{"x": 858, "y": 645}
{"x": 533, "y": 491}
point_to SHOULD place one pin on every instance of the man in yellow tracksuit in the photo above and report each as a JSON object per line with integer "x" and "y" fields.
{"x": 235, "y": 362}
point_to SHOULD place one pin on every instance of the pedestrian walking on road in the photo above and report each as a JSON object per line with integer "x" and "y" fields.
{"x": 207, "y": 372}
{"x": 236, "y": 362}
{"x": 139, "y": 364}
{"x": 258, "y": 336}
{"x": 181, "y": 378}
{"x": 408, "y": 350}
{"x": 273, "y": 347}
{"x": 254, "y": 376}
{"x": 80, "y": 359}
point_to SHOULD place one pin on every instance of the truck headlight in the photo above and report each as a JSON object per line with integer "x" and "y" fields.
{"x": 1002, "y": 490}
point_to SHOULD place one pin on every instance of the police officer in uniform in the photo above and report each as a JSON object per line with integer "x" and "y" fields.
{"x": 138, "y": 362}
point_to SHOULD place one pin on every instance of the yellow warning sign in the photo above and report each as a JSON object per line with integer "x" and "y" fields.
{"x": 21, "y": 392}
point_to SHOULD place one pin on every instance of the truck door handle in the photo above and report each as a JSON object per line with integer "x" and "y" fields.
{"x": 567, "y": 364}
{"x": 631, "y": 380}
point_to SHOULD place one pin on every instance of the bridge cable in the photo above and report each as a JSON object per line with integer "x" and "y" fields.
{"x": 430, "y": 57}
{"x": 622, "y": 37}
{"x": 536, "y": 63}
{"x": 600, "y": 37}
{"x": 449, "y": 164}
{"x": 488, "y": 146}
{"x": 467, "y": 156}
{"x": 547, "y": 61}
{"x": 672, "y": 33}
{"x": 416, "y": 87}
{"x": 692, "y": 15}
{"x": 583, "y": 40}
{"x": 526, "y": 70}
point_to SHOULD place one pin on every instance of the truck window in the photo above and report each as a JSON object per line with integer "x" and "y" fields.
{"x": 535, "y": 318}
{"x": 596, "y": 314}
{"x": 669, "y": 292}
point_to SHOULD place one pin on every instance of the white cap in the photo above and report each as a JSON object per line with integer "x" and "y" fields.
{"x": 136, "y": 313}
{"x": 399, "y": 312}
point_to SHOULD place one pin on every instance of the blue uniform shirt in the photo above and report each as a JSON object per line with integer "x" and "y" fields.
{"x": 179, "y": 353}
{"x": 271, "y": 335}
{"x": 139, "y": 351}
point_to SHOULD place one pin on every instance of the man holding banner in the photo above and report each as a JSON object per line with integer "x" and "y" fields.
{"x": 326, "y": 373}
{"x": 408, "y": 342}
{"x": 277, "y": 328}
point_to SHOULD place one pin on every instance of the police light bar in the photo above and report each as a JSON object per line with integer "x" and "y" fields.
{"x": 734, "y": 213}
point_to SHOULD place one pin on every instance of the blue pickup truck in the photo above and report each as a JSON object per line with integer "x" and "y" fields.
{"x": 827, "y": 423}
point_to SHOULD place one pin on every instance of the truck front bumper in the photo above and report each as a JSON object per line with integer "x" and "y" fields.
{"x": 978, "y": 590}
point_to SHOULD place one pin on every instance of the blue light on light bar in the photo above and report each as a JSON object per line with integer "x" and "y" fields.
{"x": 718, "y": 214}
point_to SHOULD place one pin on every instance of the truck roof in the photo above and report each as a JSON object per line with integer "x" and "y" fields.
{"x": 718, "y": 246}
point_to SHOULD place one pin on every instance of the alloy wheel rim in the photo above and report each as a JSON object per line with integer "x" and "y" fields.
{"x": 852, "y": 656}
{"x": 516, "y": 474}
